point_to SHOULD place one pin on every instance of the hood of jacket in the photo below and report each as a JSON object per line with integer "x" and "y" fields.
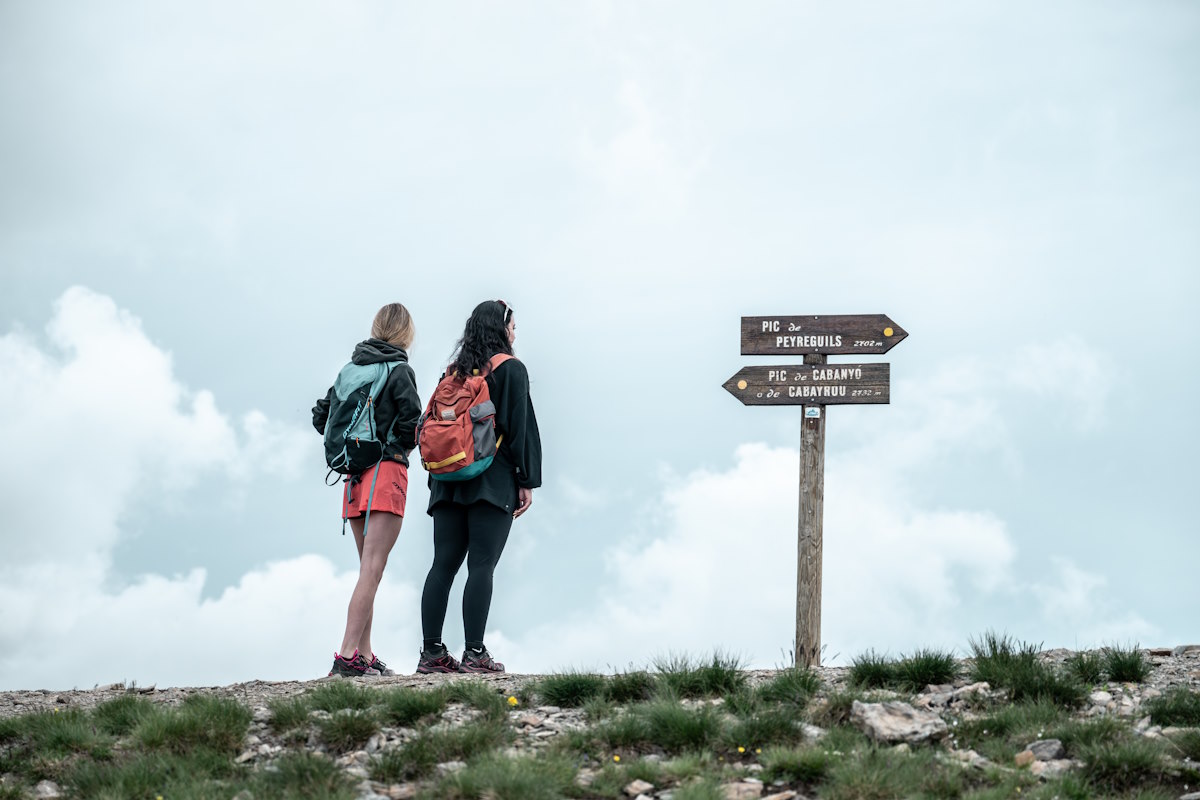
{"x": 377, "y": 351}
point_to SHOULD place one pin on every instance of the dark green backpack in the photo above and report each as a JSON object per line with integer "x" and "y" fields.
{"x": 352, "y": 443}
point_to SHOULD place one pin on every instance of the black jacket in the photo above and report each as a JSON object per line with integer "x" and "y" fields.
{"x": 519, "y": 460}
{"x": 398, "y": 406}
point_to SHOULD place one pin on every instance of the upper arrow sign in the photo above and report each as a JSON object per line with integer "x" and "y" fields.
{"x": 839, "y": 334}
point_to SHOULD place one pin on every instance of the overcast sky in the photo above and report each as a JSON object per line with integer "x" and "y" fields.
{"x": 203, "y": 205}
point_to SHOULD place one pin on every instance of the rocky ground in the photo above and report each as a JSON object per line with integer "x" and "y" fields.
{"x": 894, "y": 719}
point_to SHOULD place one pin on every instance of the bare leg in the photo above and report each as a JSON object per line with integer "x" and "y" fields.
{"x": 364, "y": 643}
{"x": 374, "y": 548}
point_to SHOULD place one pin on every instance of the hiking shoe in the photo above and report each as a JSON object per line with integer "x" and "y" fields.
{"x": 353, "y": 667}
{"x": 376, "y": 663}
{"x": 479, "y": 661}
{"x": 436, "y": 660}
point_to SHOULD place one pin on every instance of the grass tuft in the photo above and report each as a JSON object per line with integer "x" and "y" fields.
{"x": 570, "y": 689}
{"x": 120, "y": 716}
{"x": 1179, "y": 706}
{"x": 151, "y": 774}
{"x": 417, "y": 758}
{"x": 630, "y": 687}
{"x": 1120, "y": 766}
{"x": 925, "y": 667}
{"x": 836, "y": 708}
{"x": 348, "y": 730}
{"x": 1126, "y": 664}
{"x": 479, "y": 697}
{"x": 302, "y": 775}
{"x": 200, "y": 722}
{"x": 871, "y": 670}
{"x": 405, "y": 707}
{"x": 500, "y": 778}
{"x": 700, "y": 790}
{"x": 338, "y": 695}
{"x": 720, "y": 676}
{"x": 804, "y": 765}
{"x": 1087, "y": 668}
{"x": 793, "y": 686}
{"x": 288, "y": 713}
{"x": 678, "y": 729}
{"x": 1187, "y": 744}
{"x": 779, "y": 725}
{"x": 1009, "y": 664}
{"x": 1078, "y": 735}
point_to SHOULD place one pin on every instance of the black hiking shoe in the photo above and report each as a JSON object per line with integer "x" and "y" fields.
{"x": 376, "y": 663}
{"x": 436, "y": 659}
{"x": 354, "y": 667}
{"x": 479, "y": 661}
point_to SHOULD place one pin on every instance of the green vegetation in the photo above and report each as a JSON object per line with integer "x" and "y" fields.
{"x": 202, "y": 722}
{"x": 1125, "y": 664}
{"x": 716, "y": 677}
{"x": 792, "y": 686}
{"x": 630, "y": 687}
{"x": 347, "y": 730}
{"x": 571, "y": 689}
{"x": 509, "y": 779}
{"x": 1180, "y": 706}
{"x": 1009, "y": 664}
{"x": 911, "y": 673}
{"x": 806, "y": 766}
{"x": 689, "y": 726}
{"x": 1087, "y": 668}
{"x": 418, "y": 757}
{"x": 304, "y": 776}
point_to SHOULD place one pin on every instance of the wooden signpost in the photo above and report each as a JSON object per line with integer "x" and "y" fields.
{"x": 814, "y": 385}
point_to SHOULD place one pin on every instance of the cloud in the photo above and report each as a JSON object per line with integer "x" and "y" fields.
{"x": 647, "y": 162}
{"x": 99, "y": 416}
{"x": 279, "y": 622}
{"x": 94, "y": 422}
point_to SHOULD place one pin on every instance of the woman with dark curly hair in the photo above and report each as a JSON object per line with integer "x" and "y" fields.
{"x": 472, "y": 518}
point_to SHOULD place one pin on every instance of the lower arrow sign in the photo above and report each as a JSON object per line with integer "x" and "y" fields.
{"x": 811, "y": 384}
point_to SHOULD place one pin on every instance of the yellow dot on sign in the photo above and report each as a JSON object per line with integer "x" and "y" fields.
{"x": 888, "y": 331}
{"x": 741, "y": 384}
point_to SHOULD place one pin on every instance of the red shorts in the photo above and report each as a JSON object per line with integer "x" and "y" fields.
{"x": 391, "y": 490}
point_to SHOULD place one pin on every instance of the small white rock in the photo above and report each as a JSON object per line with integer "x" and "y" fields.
{"x": 47, "y": 789}
{"x": 639, "y": 787}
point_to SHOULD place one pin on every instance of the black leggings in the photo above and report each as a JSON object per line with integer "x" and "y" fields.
{"x": 476, "y": 532}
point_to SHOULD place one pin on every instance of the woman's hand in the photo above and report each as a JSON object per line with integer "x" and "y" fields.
{"x": 524, "y": 501}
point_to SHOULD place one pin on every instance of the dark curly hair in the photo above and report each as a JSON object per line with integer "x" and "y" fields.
{"x": 483, "y": 337}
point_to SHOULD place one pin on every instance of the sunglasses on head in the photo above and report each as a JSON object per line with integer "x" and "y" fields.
{"x": 508, "y": 311}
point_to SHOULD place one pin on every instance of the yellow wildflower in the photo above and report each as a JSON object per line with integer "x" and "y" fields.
{"x": 616, "y": 758}
{"x": 512, "y": 701}
{"x": 741, "y": 749}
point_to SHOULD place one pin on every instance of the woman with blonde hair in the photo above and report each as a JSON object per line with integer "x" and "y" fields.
{"x": 376, "y": 497}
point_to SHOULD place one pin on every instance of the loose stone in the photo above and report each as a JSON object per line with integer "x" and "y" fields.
{"x": 635, "y": 788}
{"x": 1047, "y": 749}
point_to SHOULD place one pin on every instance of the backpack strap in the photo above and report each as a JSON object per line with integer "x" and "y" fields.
{"x": 496, "y": 360}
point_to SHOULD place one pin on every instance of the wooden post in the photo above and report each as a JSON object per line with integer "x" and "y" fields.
{"x": 810, "y": 544}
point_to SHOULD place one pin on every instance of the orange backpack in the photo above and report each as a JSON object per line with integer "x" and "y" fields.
{"x": 457, "y": 433}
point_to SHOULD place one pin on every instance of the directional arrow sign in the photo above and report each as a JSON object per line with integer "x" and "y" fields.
{"x": 811, "y": 384}
{"x": 848, "y": 333}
